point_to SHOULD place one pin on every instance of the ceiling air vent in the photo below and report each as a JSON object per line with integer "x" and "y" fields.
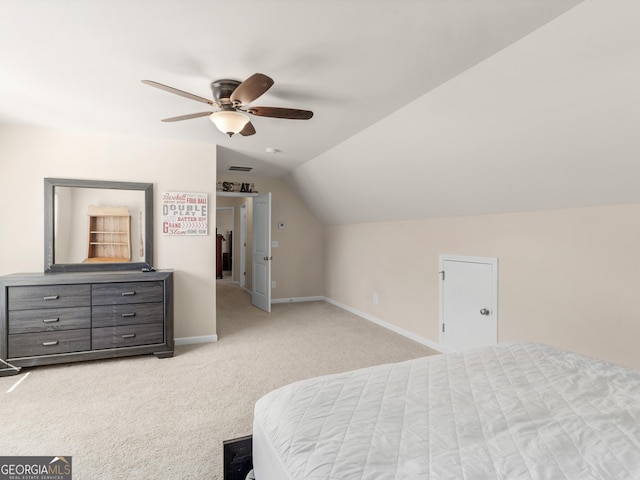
{"x": 239, "y": 168}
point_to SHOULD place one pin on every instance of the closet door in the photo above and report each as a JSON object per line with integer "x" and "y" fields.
{"x": 468, "y": 302}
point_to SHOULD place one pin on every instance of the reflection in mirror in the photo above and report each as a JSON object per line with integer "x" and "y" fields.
{"x": 86, "y": 232}
{"x": 97, "y": 225}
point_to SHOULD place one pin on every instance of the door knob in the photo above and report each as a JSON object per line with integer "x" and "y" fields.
{"x": 485, "y": 311}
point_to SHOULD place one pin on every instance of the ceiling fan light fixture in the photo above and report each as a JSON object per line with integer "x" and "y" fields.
{"x": 229, "y": 121}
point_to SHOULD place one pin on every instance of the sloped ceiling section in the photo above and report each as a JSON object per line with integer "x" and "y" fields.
{"x": 549, "y": 122}
{"x": 77, "y": 64}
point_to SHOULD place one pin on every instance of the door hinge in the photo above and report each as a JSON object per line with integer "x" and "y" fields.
{"x": 442, "y": 273}
{"x": 443, "y": 328}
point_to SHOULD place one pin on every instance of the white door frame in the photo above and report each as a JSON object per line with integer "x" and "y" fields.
{"x": 494, "y": 288}
{"x": 243, "y": 245}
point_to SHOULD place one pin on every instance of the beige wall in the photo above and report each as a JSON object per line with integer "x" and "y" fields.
{"x": 27, "y": 155}
{"x": 569, "y": 278}
{"x": 566, "y": 277}
{"x": 297, "y": 266}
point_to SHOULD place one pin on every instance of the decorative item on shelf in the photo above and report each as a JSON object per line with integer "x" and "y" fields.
{"x": 230, "y": 186}
{"x": 235, "y": 187}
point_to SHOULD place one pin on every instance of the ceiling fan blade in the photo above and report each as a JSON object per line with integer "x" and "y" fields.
{"x": 275, "y": 112}
{"x": 251, "y": 88}
{"x": 186, "y": 117}
{"x": 248, "y": 130}
{"x": 178, "y": 92}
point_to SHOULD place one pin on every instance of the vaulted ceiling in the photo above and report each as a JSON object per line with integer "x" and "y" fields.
{"x": 542, "y": 94}
{"x": 78, "y": 64}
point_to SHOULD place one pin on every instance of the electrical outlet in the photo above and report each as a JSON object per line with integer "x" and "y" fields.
{"x": 375, "y": 298}
{"x": 273, "y": 284}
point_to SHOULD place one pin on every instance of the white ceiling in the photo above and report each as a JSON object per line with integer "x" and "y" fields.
{"x": 77, "y": 64}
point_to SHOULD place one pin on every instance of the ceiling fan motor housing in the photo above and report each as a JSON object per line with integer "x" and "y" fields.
{"x": 222, "y": 90}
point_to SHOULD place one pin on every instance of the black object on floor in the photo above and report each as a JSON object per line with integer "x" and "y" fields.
{"x": 238, "y": 460}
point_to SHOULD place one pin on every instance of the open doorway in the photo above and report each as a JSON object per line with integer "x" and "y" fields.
{"x": 235, "y": 212}
{"x": 225, "y": 230}
{"x": 233, "y": 290}
{"x": 240, "y": 219}
{"x": 236, "y": 216}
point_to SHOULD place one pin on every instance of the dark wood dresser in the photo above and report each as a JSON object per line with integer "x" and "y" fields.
{"x": 48, "y": 318}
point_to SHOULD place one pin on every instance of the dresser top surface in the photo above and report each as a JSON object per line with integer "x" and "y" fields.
{"x": 40, "y": 278}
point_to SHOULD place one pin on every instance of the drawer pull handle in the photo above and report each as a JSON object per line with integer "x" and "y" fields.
{"x": 129, "y": 314}
{"x": 126, "y": 294}
{"x": 129, "y": 335}
{"x": 49, "y": 344}
{"x": 51, "y": 297}
{"x": 50, "y": 320}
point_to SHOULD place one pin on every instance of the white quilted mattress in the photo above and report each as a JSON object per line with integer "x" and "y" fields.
{"x": 514, "y": 411}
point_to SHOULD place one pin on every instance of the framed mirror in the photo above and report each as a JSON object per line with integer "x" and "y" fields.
{"x": 92, "y": 225}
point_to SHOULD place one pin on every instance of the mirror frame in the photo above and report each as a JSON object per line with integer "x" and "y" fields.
{"x": 50, "y": 264}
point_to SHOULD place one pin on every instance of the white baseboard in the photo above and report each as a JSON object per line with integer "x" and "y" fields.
{"x": 194, "y": 340}
{"x": 297, "y": 299}
{"x": 394, "y": 328}
{"x": 237, "y": 284}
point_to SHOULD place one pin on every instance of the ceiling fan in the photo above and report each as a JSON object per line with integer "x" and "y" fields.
{"x": 232, "y": 98}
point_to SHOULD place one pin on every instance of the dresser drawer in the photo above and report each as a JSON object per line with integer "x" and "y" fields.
{"x": 49, "y": 319}
{"x": 127, "y": 314}
{"x": 132, "y": 292}
{"x": 47, "y": 343}
{"x": 48, "y": 296}
{"x": 126, "y": 336}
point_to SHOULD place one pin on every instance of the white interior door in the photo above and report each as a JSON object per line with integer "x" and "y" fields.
{"x": 468, "y": 302}
{"x": 261, "y": 252}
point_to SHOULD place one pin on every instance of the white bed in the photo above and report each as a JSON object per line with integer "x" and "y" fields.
{"x": 514, "y": 411}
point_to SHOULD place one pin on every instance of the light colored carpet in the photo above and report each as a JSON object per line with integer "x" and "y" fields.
{"x": 144, "y": 418}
